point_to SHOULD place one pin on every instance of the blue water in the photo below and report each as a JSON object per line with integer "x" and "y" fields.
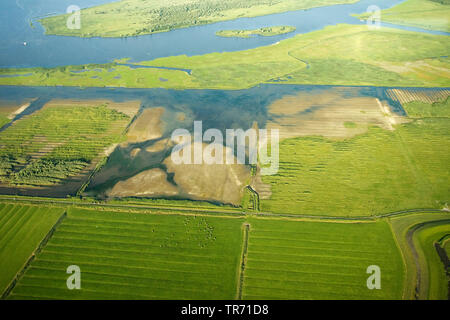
{"x": 221, "y": 109}
{"x": 15, "y": 75}
{"x": 50, "y": 51}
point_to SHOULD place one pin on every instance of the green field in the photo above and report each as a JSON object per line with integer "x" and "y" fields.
{"x": 152, "y": 16}
{"x": 385, "y": 57}
{"x": 265, "y": 32}
{"x": 359, "y": 183}
{"x": 57, "y": 142}
{"x": 418, "y": 109}
{"x": 131, "y": 255}
{"x": 445, "y": 243}
{"x": 320, "y": 260}
{"x": 137, "y": 256}
{"x": 426, "y": 14}
{"x": 4, "y": 119}
{"x": 377, "y": 172}
{"x": 407, "y": 233}
{"x": 22, "y": 228}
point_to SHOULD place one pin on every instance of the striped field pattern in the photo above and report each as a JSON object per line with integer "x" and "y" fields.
{"x": 22, "y": 228}
{"x": 320, "y": 260}
{"x": 137, "y": 256}
{"x": 418, "y": 94}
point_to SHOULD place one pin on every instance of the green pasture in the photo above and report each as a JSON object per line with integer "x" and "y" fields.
{"x": 57, "y": 142}
{"x": 378, "y": 172}
{"x": 320, "y": 260}
{"x": 22, "y": 228}
{"x": 418, "y": 109}
{"x": 426, "y": 14}
{"x": 137, "y": 256}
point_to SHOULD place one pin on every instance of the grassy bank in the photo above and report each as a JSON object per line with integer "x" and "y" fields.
{"x": 137, "y": 17}
{"x": 426, "y": 14}
{"x": 419, "y": 109}
{"x": 385, "y": 57}
{"x": 425, "y": 277}
{"x": 377, "y": 172}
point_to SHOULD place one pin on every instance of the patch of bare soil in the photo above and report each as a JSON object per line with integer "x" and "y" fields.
{"x": 148, "y": 126}
{"x": 145, "y": 184}
{"x": 159, "y": 146}
{"x": 264, "y": 190}
{"x": 332, "y": 113}
{"x": 214, "y": 182}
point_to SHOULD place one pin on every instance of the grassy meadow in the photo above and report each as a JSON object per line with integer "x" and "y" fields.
{"x": 4, "y": 119}
{"x": 419, "y": 109}
{"x": 152, "y": 16}
{"x": 385, "y": 57}
{"x": 22, "y": 228}
{"x": 137, "y": 256}
{"x": 57, "y": 141}
{"x": 373, "y": 173}
{"x": 426, "y": 14}
{"x": 142, "y": 254}
{"x": 320, "y": 260}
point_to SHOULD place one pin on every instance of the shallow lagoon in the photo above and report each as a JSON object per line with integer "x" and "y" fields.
{"x": 219, "y": 109}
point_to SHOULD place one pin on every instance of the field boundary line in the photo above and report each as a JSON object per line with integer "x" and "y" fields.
{"x": 38, "y": 249}
{"x": 236, "y": 213}
{"x": 243, "y": 262}
{"x": 402, "y": 254}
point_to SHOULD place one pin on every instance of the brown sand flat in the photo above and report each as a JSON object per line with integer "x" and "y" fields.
{"x": 328, "y": 113}
{"x": 159, "y": 146}
{"x": 147, "y": 126}
{"x": 145, "y": 184}
{"x": 216, "y": 182}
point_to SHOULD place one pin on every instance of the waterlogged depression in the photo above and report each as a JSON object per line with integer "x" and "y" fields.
{"x": 144, "y": 151}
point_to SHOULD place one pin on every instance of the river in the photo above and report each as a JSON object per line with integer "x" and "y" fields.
{"x": 25, "y": 46}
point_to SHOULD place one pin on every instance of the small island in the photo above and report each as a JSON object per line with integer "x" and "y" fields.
{"x": 266, "y": 32}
